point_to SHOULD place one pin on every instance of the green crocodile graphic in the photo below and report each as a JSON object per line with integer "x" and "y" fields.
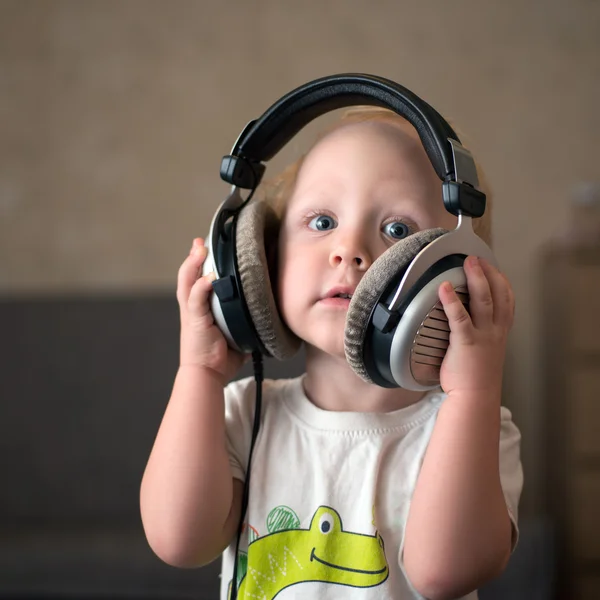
{"x": 324, "y": 552}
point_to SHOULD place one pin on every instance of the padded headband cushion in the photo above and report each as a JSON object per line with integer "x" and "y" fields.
{"x": 391, "y": 264}
{"x": 257, "y": 226}
{"x": 266, "y": 136}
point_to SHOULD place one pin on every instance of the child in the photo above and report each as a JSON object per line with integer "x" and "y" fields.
{"x": 357, "y": 491}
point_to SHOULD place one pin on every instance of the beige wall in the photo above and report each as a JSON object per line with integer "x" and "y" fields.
{"x": 114, "y": 116}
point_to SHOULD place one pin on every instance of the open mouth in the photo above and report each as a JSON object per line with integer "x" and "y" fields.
{"x": 337, "y": 298}
{"x": 313, "y": 556}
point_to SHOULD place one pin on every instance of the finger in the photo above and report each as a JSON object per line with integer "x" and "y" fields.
{"x": 190, "y": 271}
{"x": 198, "y": 299}
{"x": 502, "y": 294}
{"x": 458, "y": 318}
{"x": 481, "y": 303}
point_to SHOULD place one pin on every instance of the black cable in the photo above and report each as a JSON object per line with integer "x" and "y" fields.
{"x": 258, "y": 378}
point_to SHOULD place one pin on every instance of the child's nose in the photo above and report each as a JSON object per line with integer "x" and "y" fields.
{"x": 350, "y": 254}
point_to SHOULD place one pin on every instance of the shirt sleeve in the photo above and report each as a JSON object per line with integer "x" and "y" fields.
{"x": 239, "y": 412}
{"x": 511, "y": 470}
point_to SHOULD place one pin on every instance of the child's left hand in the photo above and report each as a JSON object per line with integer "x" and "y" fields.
{"x": 474, "y": 362}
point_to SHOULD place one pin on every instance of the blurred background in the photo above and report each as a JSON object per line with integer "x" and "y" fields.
{"x": 114, "y": 116}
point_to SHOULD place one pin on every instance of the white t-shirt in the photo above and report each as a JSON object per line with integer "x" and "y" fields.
{"x": 330, "y": 493}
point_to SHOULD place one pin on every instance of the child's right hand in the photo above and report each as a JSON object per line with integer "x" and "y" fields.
{"x": 202, "y": 343}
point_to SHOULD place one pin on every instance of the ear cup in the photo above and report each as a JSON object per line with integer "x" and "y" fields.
{"x": 257, "y": 226}
{"x": 389, "y": 266}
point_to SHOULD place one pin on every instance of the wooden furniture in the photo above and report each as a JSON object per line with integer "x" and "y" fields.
{"x": 570, "y": 340}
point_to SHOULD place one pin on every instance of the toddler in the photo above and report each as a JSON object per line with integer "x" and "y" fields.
{"x": 357, "y": 491}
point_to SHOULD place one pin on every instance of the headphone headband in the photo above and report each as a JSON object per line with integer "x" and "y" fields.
{"x": 299, "y": 107}
{"x": 266, "y": 136}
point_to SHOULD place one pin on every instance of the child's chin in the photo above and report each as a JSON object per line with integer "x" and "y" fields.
{"x": 331, "y": 347}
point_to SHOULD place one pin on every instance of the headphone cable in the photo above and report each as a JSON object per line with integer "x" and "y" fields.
{"x": 258, "y": 378}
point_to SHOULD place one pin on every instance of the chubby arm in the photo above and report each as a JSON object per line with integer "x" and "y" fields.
{"x": 190, "y": 504}
{"x": 458, "y": 533}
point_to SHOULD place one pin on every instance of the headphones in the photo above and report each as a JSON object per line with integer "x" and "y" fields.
{"x": 396, "y": 331}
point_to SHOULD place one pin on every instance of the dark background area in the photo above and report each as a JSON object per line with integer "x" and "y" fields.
{"x": 84, "y": 384}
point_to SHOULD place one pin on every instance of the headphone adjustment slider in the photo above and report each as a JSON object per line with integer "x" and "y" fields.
{"x": 462, "y": 199}
{"x": 464, "y": 164}
{"x": 241, "y": 172}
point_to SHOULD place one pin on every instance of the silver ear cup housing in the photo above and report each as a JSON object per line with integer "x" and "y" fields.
{"x": 397, "y": 348}
{"x": 228, "y": 304}
{"x": 422, "y": 335}
{"x": 366, "y": 350}
{"x": 243, "y": 302}
{"x": 215, "y": 304}
{"x": 228, "y": 206}
{"x": 389, "y": 338}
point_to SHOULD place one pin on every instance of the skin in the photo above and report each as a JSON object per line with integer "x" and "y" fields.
{"x": 363, "y": 177}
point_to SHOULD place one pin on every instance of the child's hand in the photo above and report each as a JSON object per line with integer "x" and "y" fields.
{"x": 202, "y": 343}
{"x": 475, "y": 358}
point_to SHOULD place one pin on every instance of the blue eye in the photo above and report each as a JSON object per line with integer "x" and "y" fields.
{"x": 322, "y": 223}
{"x": 397, "y": 230}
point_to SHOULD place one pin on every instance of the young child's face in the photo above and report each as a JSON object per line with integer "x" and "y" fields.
{"x": 359, "y": 190}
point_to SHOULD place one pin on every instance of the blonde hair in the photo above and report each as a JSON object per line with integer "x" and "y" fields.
{"x": 278, "y": 189}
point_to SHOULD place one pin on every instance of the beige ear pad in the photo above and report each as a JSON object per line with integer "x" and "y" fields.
{"x": 374, "y": 282}
{"x": 257, "y": 225}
